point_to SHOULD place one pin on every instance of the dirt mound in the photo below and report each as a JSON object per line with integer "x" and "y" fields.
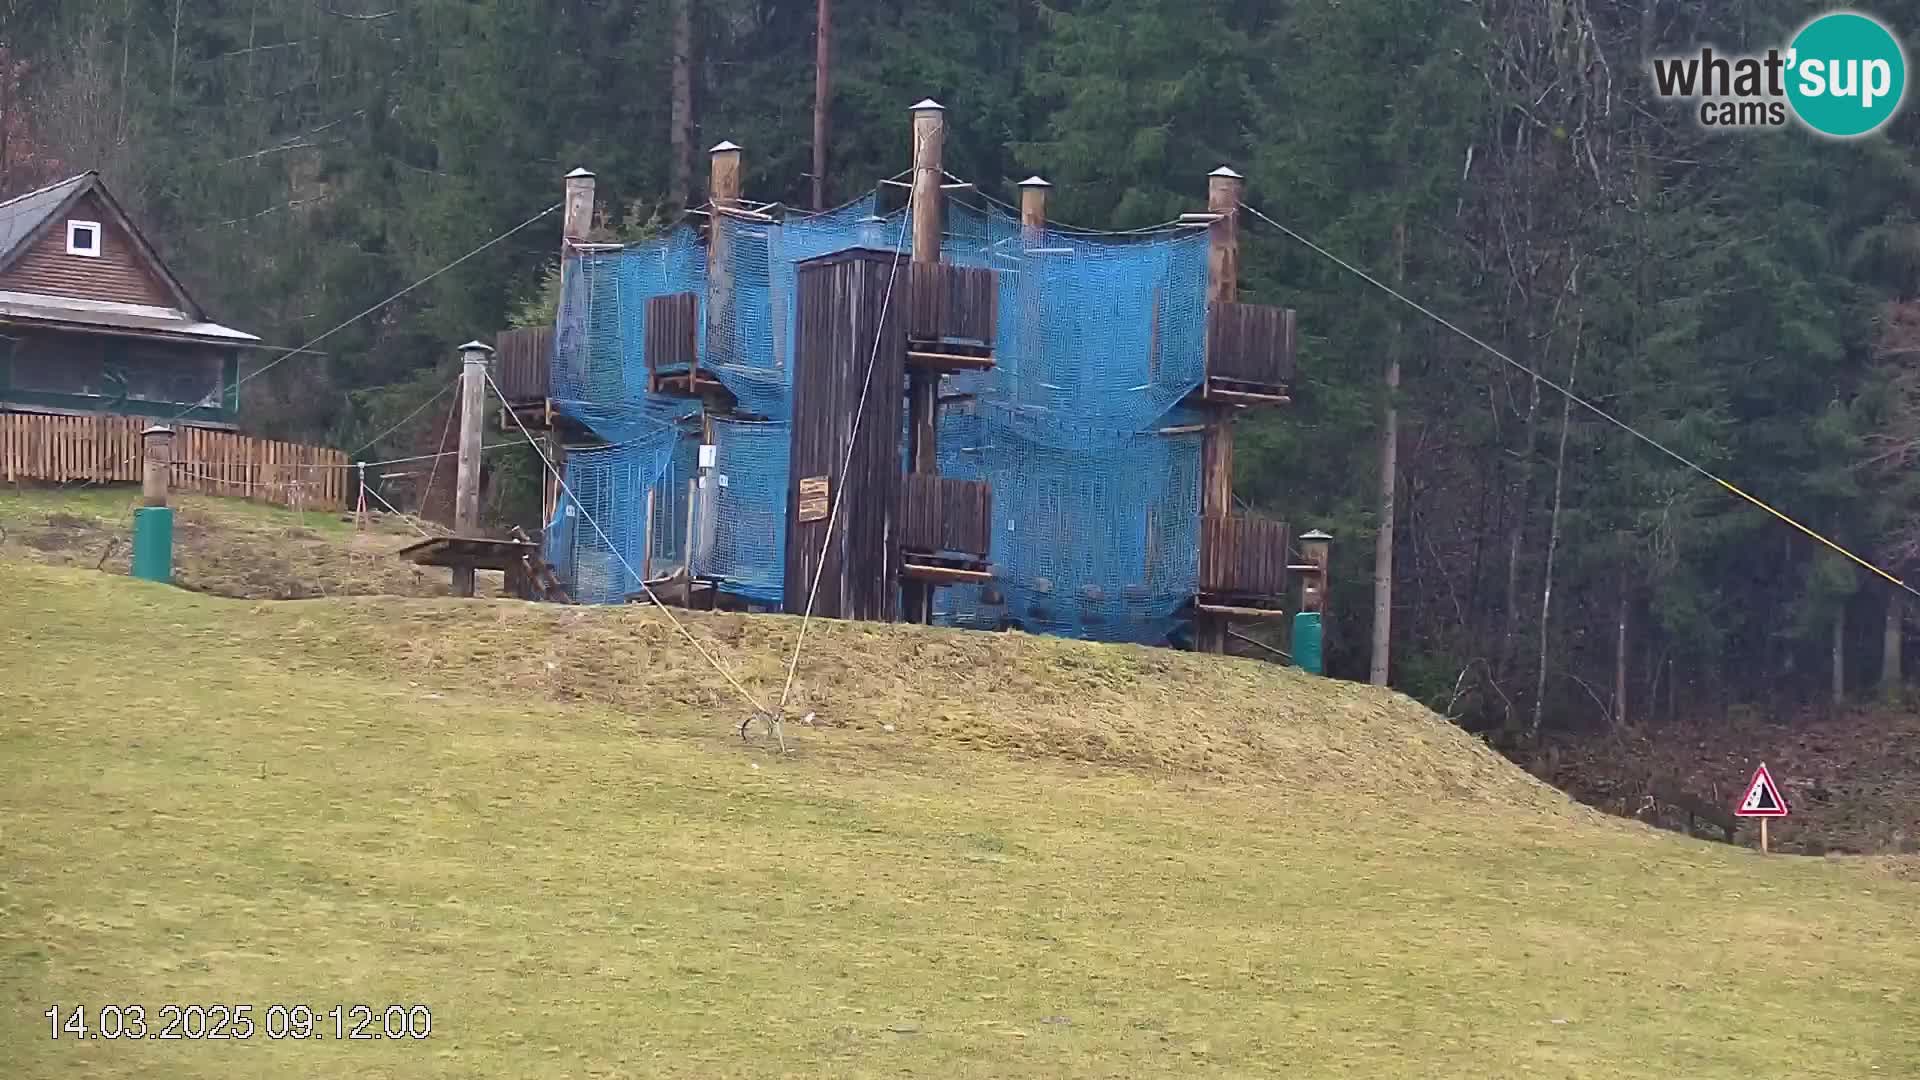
{"x": 1852, "y": 779}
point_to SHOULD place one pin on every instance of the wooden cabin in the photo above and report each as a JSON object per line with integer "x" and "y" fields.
{"x": 92, "y": 321}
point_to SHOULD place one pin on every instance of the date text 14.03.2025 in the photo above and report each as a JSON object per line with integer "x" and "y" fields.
{"x": 227, "y": 1022}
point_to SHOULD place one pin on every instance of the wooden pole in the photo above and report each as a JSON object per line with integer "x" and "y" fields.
{"x": 575, "y": 227}
{"x": 1216, "y": 443}
{"x": 1033, "y": 210}
{"x": 1313, "y": 586}
{"x": 156, "y": 458}
{"x": 923, "y": 388}
{"x": 723, "y": 188}
{"x": 822, "y": 98}
{"x": 1027, "y": 357}
{"x": 466, "y": 497}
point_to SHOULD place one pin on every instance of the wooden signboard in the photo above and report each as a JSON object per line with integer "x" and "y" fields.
{"x": 813, "y": 498}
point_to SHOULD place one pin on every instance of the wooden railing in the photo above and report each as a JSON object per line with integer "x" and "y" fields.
{"x": 521, "y": 361}
{"x": 107, "y": 449}
{"x": 945, "y": 514}
{"x": 1251, "y": 344}
{"x": 1243, "y": 555}
{"x": 948, "y": 303}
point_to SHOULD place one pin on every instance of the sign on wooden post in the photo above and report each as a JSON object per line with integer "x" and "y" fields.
{"x": 813, "y": 499}
{"x": 1762, "y": 800}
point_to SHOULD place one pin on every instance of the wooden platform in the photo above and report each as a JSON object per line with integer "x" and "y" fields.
{"x": 469, "y": 552}
{"x": 944, "y": 569}
{"x": 528, "y": 575}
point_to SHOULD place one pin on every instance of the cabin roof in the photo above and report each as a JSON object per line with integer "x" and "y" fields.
{"x": 24, "y": 218}
{"x": 109, "y": 317}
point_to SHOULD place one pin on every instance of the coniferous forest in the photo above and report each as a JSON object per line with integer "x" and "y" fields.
{"x": 1749, "y": 299}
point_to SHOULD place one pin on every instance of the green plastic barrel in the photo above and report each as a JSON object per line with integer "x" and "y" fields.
{"x": 1306, "y": 641}
{"x": 153, "y": 543}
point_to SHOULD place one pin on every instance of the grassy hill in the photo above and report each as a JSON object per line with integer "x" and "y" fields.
{"x": 990, "y": 855}
{"x": 227, "y": 547}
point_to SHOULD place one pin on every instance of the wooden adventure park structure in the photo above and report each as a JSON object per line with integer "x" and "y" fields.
{"x": 794, "y": 411}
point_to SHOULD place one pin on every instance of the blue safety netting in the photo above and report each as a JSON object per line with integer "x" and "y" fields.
{"x": 1096, "y": 493}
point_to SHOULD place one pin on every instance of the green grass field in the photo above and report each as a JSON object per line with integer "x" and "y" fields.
{"x": 991, "y": 855}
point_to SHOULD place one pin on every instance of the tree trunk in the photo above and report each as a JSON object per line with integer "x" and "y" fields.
{"x": 1516, "y": 535}
{"x": 1840, "y": 656}
{"x": 1620, "y": 657}
{"x": 1389, "y": 480}
{"x": 680, "y": 137}
{"x": 1890, "y": 642}
{"x": 1553, "y": 525}
{"x": 822, "y": 96}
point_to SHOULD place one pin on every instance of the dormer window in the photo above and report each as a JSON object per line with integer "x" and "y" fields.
{"x": 83, "y": 238}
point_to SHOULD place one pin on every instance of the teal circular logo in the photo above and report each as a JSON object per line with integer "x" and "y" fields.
{"x": 1847, "y": 74}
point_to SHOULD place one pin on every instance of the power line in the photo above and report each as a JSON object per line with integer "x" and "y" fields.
{"x": 1584, "y": 403}
{"x": 438, "y": 394}
{"x": 264, "y": 368}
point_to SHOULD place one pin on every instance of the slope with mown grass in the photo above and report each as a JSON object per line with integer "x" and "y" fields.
{"x": 228, "y": 547}
{"x": 991, "y": 855}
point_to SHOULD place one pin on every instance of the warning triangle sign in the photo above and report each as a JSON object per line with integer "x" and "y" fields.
{"x": 1763, "y": 797}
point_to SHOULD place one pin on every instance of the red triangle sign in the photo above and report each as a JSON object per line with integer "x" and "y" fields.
{"x": 1763, "y": 798}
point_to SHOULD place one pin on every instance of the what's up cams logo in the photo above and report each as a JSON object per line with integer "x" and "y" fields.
{"x": 1843, "y": 75}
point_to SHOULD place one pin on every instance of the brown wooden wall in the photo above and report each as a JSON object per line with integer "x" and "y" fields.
{"x": 945, "y": 301}
{"x": 107, "y": 449}
{"x": 945, "y": 514}
{"x": 673, "y": 332}
{"x": 1250, "y": 343}
{"x": 1243, "y": 555}
{"x": 841, "y": 311}
{"x": 520, "y": 362}
{"x": 120, "y": 274}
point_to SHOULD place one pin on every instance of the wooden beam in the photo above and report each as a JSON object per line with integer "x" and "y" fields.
{"x": 1215, "y": 394}
{"x": 1240, "y": 612}
{"x": 944, "y": 575}
{"x": 939, "y": 361}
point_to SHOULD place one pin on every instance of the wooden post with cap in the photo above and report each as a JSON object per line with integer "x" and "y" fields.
{"x": 923, "y": 387}
{"x": 1216, "y": 441}
{"x": 153, "y": 521}
{"x": 723, "y": 191}
{"x": 1027, "y": 355}
{"x": 466, "y": 496}
{"x": 576, "y": 225}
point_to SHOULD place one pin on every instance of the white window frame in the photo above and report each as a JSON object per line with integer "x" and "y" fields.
{"x": 98, "y": 239}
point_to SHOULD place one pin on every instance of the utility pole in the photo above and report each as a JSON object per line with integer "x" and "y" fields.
{"x": 466, "y": 500}
{"x": 1389, "y": 482}
{"x": 822, "y": 99}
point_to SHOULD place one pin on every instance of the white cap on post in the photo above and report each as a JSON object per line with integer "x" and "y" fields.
{"x": 476, "y": 352}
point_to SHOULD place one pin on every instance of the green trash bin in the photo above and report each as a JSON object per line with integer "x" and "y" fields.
{"x": 1306, "y": 641}
{"x": 153, "y": 543}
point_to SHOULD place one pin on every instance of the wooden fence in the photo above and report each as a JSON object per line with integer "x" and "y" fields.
{"x": 106, "y": 449}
